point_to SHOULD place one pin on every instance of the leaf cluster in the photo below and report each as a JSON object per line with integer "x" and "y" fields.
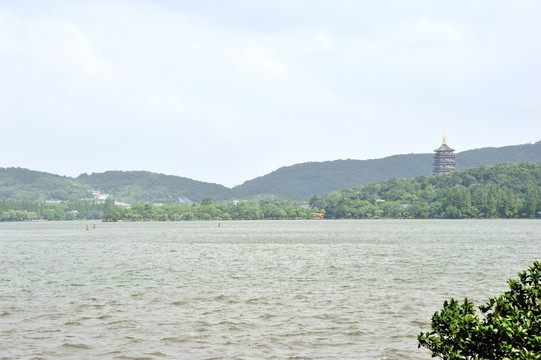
{"x": 508, "y": 326}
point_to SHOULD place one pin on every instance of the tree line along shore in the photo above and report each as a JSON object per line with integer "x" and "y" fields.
{"x": 506, "y": 190}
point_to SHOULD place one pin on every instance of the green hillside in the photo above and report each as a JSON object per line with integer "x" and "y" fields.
{"x": 301, "y": 181}
{"x": 147, "y": 187}
{"x": 298, "y": 182}
{"x": 29, "y": 185}
{"x": 504, "y": 190}
{"x": 492, "y": 155}
{"x": 130, "y": 186}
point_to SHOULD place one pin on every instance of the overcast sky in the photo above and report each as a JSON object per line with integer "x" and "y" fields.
{"x": 225, "y": 91}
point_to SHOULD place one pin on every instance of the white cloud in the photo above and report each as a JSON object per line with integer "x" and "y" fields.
{"x": 351, "y": 77}
{"x": 319, "y": 95}
{"x": 1, "y": 32}
{"x": 171, "y": 101}
{"x": 429, "y": 32}
{"x": 260, "y": 58}
{"x": 65, "y": 44}
{"x": 314, "y": 42}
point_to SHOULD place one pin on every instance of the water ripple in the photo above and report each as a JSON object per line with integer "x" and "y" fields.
{"x": 246, "y": 290}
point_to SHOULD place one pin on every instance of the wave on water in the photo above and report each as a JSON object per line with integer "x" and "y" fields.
{"x": 258, "y": 291}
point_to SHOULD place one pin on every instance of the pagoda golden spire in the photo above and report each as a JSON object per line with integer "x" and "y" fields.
{"x": 444, "y": 141}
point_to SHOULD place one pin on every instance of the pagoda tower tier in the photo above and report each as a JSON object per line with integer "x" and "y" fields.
{"x": 444, "y": 159}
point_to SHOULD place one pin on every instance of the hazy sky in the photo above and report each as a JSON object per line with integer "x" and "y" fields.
{"x": 225, "y": 91}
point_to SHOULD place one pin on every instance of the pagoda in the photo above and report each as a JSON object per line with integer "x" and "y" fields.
{"x": 444, "y": 160}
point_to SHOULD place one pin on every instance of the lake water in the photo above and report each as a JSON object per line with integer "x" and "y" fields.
{"x": 245, "y": 289}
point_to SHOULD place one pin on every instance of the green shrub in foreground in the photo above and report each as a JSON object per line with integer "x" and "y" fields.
{"x": 509, "y": 328}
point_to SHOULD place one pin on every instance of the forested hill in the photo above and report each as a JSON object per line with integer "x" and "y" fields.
{"x": 147, "y": 187}
{"x": 298, "y": 182}
{"x": 129, "y": 186}
{"x": 24, "y": 184}
{"x": 503, "y": 190}
{"x": 491, "y": 155}
{"x": 301, "y": 181}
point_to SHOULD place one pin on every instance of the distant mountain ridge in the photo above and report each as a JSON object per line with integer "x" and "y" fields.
{"x": 24, "y": 184}
{"x": 297, "y": 182}
{"x": 493, "y": 155}
{"x": 301, "y": 181}
{"x": 145, "y": 186}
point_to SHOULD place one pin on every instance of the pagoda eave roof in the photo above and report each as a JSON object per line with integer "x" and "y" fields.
{"x": 444, "y": 147}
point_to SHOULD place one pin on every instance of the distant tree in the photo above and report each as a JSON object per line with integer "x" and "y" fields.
{"x": 531, "y": 201}
{"x": 458, "y": 202}
{"x": 206, "y": 201}
{"x": 317, "y": 202}
{"x": 112, "y": 214}
{"x": 108, "y": 203}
